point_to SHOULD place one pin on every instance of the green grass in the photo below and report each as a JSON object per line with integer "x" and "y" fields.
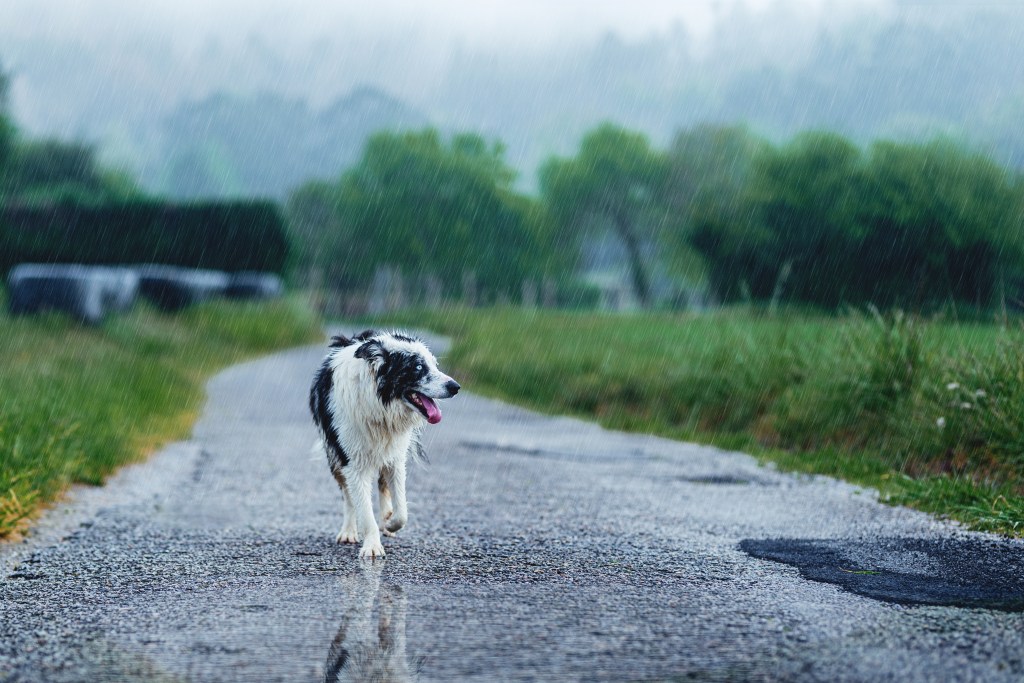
{"x": 930, "y": 413}
{"x": 76, "y": 403}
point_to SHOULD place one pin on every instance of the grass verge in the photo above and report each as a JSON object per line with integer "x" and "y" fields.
{"x": 930, "y": 413}
{"x": 77, "y": 402}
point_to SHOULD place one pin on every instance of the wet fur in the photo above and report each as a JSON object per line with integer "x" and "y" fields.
{"x": 368, "y": 427}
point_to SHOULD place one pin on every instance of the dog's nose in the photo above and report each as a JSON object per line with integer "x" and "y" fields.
{"x": 452, "y": 386}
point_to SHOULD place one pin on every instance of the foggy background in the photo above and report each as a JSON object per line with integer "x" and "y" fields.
{"x": 257, "y": 97}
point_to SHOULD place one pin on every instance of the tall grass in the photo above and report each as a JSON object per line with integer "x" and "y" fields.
{"x": 931, "y": 412}
{"x": 77, "y": 402}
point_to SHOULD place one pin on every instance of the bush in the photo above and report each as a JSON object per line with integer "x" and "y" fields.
{"x": 822, "y": 222}
{"x": 230, "y": 236}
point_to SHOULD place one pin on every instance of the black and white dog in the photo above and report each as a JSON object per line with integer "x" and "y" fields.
{"x": 369, "y": 400}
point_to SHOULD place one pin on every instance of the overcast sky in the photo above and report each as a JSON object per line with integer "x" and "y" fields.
{"x": 534, "y": 73}
{"x": 479, "y": 22}
{"x": 320, "y": 49}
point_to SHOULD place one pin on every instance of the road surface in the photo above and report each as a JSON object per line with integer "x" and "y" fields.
{"x": 538, "y": 548}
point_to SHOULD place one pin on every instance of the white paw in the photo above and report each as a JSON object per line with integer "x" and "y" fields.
{"x": 385, "y": 532}
{"x": 347, "y": 536}
{"x": 394, "y": 524}
{"x": 371, "y": 550}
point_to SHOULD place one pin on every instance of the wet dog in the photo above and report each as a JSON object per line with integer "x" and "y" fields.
{"x": 369, "y": 399}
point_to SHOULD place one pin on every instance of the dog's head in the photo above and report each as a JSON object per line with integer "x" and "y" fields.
{"x": 405, "y": 370}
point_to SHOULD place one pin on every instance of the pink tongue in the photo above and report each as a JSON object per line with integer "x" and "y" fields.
{"x": 433, "y": 412}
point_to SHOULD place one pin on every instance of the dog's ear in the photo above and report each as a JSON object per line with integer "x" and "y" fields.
{"x": 373, "y": 353}
{"x": 364, "y": 335}
{"x": 340, "y": 341}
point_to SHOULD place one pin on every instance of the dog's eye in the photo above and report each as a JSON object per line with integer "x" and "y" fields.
{"x": 419, "y": 367}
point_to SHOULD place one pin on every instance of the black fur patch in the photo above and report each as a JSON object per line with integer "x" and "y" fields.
{"x": 341, "y": 341}
{"x": 404, "y": 337}
{"x": 400, "y": 372}
{"x": 371, "y": 350}
{"x": 319, "y": 394}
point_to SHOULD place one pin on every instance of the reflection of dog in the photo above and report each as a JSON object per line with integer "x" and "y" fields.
{"x": 360, "y": 652}
{"x": 369, "y": 399}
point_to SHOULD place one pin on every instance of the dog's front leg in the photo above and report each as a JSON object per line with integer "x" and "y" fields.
{"x": 360, "y": 489}
{"x": 399, "y": 513}
{"x": 384, "y": 499}
{"x": 349, "y": 531}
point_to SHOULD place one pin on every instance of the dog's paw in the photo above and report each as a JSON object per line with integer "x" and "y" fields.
{"x": 384, "y": 532}
{"x": 371, "y": 550}
{"x": 347, "y": 536}
{"x": 394, "y": 524}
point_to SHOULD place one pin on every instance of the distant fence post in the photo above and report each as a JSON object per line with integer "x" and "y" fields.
{"x": 469, "y": 291}
{"x": 549, "y": 293}
{"x": 529, "y": 299}
{"x": 433, "y": 291}
{"x": 386, "y": 291}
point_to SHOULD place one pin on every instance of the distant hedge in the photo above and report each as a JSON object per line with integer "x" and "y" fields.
{"x": 230, "y": 236}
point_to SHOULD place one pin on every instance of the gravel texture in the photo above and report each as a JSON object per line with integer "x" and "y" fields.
{"x": 538, "y": 548}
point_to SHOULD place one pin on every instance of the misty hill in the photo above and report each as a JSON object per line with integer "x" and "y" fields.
{"x": 906, "y": 78}
{"x": 266, "y": 144}
{"x": 161, "y": 105}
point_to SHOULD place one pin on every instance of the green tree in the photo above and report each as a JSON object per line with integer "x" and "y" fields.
{"x": 940, "y": 223}
{"x": 56, "y": 171}
{"x": 821, "y": 222}
{"x": 7, "y": 131}
{"x": 616, "y": 181}
{"x": 709, "y": 169}
{"x": 790, "y": 230}
{"x": 429, "y": 207}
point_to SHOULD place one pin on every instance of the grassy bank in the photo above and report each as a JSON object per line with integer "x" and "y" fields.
{"x": 931, "y": 413}
{"x": 76, "y": 403}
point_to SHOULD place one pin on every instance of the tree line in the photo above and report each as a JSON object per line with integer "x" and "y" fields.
{"x": 720, "y": 211}
{"x": 59, "y": 204}
{"x": 816, "y": 220}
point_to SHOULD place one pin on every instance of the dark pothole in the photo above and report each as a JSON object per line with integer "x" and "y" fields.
{"x": 909, "y": 571}
{"x": 722, "y": 480}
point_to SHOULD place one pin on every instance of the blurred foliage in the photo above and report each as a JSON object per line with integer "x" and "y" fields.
{"x": 42, "y": 172}
{"x": 7, "y": 130}
{"x": 77, "y": 402}
{"x": 616, "y": 182}
{"x": 930, "y": 412}
{"x": 822, "y": 222}
{"x": 430, "y": 207}
{"x": 817, "y": 221}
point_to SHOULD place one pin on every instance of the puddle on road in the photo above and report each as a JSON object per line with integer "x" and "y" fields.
{"x": 725, "y": 480}
{"x": 581, "y": 452}
{"x": 370, "y": 644}
{"x": 908, "y": 571}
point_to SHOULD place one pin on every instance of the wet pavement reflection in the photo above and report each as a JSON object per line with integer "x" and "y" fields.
{"x": 370, "y": 644}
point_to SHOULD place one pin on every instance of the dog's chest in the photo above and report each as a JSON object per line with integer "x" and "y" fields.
{"x": 371, "y": 445}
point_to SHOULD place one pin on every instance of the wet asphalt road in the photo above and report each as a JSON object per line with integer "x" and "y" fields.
{"x": 538, "y": 549}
